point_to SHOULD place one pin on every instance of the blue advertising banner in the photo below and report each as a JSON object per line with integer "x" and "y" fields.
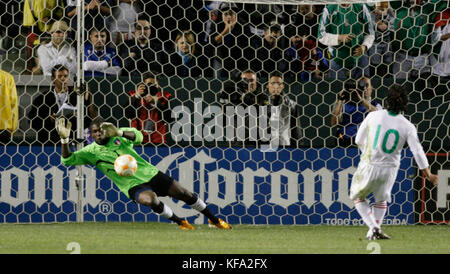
{"x": 243, "y": 186}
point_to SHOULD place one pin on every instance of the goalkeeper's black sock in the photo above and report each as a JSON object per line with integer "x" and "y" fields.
{"x": 210, "y": 216}
{"x": 166, "y": 212}
{"x": 176, "y": 219}
{"x": 197, "y": 204}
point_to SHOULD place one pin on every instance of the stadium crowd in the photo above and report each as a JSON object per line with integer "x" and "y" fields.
{"x": 404, "y": 39}
{"x": 223, "y": 39}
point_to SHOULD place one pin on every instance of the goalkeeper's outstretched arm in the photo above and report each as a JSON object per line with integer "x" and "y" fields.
{"x": 65, "y": 150}
{"x": 129, "y": 135}
{"x": 111, "y": 131}
{"x": 64, "y": 132}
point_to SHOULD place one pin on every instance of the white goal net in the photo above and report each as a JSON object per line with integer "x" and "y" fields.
{"x": 237, "y": 100}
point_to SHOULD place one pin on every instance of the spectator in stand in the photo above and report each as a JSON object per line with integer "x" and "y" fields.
{"x": 123, "y": 20}
{"x": 149, "y": 110}
{"x": 305, "y": 21}
{"x": 284, "y": 120}
{"x": 412, "y": 37}
{"x": 99, "y": 59}
{"x": 227, "y": 38}
{"x": 60, "y": 101}
{"x": 269, "y": 51}
{"x": 96, "y": 13}
{"x": 380, "y": 53}
{"x": 348, "y": 31}
{"x": 353, "y": 104}
{"x": 9, "y": 105}
{"x": 142, "y": 53}
{"x": 441, "y": 65}
{"x": 183, "y": 62}
{"x": 213, "y": 9}
{"x": 58, "y": 51}
{"x": 305, "y": 58}
{"x": 245, "y": 92}
{"x": 211, "y": 20}
{"x": 261, "y": 15}
{"x": 39, "y": 16}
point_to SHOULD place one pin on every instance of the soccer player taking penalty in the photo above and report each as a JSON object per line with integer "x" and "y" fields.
{"x": 380, "y": 138}
{"x": 146, "y": 184}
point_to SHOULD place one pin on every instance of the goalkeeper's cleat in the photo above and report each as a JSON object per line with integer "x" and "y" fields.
{"x": 380, "y": 235}
{"x": 185, "y": 225}
{"x": 221, "y": 224}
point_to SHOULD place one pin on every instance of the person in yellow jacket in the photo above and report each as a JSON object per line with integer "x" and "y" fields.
{"x": 42, "y": 13}
{"x": 9, "y": 107}
{"x": 39, "y": 16}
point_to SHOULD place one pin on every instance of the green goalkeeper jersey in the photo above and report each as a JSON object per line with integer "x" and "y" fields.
{"x": 103, "y": 157}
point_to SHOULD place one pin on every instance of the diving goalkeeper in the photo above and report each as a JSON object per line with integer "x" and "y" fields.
{"x": 146, "y": 184}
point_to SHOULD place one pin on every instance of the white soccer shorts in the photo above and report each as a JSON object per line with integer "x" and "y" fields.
{"x": 378, "y": 180}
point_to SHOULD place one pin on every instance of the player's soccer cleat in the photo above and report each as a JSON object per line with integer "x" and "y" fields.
{"x": 380, "y": 235}
{"x": 369, "y": 235}
{"x": 221, "y": 224}
{"x": 185, "y": 225}
{"x": 377, "y": 234}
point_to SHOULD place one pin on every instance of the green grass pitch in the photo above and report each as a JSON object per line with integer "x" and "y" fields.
{"x": 164, "y": 238}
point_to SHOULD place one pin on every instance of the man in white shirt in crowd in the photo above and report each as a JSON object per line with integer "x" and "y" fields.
{"x": 57, "y": 52}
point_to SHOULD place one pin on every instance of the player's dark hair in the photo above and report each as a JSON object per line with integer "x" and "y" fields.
{"x": 94, "y": 29}
{"x": 142, "y": 17}
{"x": 275, "y": 74}
{"x": 96, "y": 121}
{"x": 100, "y": 30}
{"x": 58, "y": 67}
{"x": 396, "y": 99}
{"x": 248, "y": 71}
{"x": 228, "y": 11}
{"x": 273, "y": 28}
{"x": 150, "y": 74}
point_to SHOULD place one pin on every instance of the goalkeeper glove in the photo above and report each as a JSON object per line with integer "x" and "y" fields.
{"x": 110, "y": 130}
{"x": 63, "y": 129}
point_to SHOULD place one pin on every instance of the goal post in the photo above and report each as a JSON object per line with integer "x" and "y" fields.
{"x": 231, "y": 149}
{"x": 80, "y": 86}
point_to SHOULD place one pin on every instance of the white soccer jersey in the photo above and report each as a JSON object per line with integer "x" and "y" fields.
{"x": 381, "y": 137}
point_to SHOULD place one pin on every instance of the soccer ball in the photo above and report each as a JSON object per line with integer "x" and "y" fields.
{"x": 125, "y": 165}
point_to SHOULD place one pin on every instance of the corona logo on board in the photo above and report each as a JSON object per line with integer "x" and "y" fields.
{"x": 15, "y": 185}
